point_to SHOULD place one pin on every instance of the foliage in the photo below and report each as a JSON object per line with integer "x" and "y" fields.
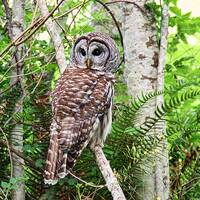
{"x": 128, "y": 145}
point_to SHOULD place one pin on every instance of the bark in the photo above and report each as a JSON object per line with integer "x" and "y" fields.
{"x": 141, "y": 60}
{"x": 111, "y": 181}
{"x": 162, "y": 176}
{"x": 54, "y": 33}
{"x": 15, "y": 28}
{"x": 142, "y": 76}
{"x": 144, "y": 72}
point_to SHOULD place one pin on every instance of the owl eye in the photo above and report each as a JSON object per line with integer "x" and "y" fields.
{"x": 96, "y": 52}
{"x": 82, "y": 51}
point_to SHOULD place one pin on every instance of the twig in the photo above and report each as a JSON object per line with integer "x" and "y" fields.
{"x": 15, "y": 42}
{"x": 74, "y": 17}
{"x": 51, "y": 27}
{"x": 111, "y": 181}
{"x": 116, "y": 23}
{"x": 14, "y": 65}
{"x": 10, "y": 86}
{"x": 64, "y": 32}
{"x": 86, "y": 183}
{"x": 69, "y": 11}
{"x": 38, "y": 23}
{"x": 49, "y": 61}
{"x": 45, "y": 18}
{"x": 30, "y": 162}
{"x": 114, "y": 19}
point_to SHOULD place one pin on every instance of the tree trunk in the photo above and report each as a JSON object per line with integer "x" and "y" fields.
{"x": 141, "y": 73}
{"x": 162, "y": 176}
{"x": 15, "y": 17}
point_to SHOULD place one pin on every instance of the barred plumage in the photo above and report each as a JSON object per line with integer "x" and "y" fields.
{"x": 81, "y": 104}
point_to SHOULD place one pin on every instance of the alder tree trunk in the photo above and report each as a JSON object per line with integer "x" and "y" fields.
{"x": 15, "y": 17}
{"x": 141, "y": 74}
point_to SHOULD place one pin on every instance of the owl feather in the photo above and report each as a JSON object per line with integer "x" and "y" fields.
{"x": 81, "y": 103}
{"x": 81, "y": 99}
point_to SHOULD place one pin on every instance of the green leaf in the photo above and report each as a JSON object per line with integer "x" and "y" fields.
{"x": 39, "y": 163}
{"x": 71, "y": 182}
{"x": 5, "y": 185}
{"x": 175, "y": 10}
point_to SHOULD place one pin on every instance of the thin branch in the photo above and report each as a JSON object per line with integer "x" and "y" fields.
{"x": 64, "y": 32}
{"x": 30, "y": 162}
{"x": 19, "y": 38}
{"x": 51, "y": 27}
{"x": 45, "y": 18}
{"x": 31, "y": 30}
{"x": 86, "y": 183}
{"x": 14, "y": 64}
{"x": 117, "y": 25}
{"x": 114, "y": 19}
{"x": 7, "y": 89}
{"x": 74, "y": 17}
{"x": 69, "y": 11}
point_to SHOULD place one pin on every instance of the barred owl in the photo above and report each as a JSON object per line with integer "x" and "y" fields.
{"x": 81, "y": 103}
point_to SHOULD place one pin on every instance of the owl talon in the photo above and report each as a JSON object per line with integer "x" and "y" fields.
{"x": 97, "y": 143}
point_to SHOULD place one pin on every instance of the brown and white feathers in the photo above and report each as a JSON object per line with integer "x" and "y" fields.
{"x": 81, "y": 103}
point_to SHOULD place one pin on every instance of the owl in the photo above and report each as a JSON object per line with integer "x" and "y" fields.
{"x": 81, "y": 103}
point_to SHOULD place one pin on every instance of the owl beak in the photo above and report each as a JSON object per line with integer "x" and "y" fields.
{"x": 88, "y": 63}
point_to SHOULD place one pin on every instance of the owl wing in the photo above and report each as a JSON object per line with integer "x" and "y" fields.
{"x": 80, "y": 100}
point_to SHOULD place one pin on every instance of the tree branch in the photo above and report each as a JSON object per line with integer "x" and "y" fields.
{"x": 111, "y": 181}
{"x": 25, "y": 35}
{"x": 117, "y": 26}
{"x": 28, "y": 161}
{"x": 57, "y": 41}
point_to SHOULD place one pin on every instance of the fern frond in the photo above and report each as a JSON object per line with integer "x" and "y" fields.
{"x": 127, "y": 114}
{"x": 167, "y": 107}
{"x": 143, "y": 140}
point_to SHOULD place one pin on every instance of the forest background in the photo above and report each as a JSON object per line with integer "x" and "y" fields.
{"x": 28, "y": 74}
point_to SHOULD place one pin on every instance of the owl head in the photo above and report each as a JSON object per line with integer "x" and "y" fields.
{"x": 95, "y": 51}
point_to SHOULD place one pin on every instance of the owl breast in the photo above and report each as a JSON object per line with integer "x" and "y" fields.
{"x": 82, "y": 92}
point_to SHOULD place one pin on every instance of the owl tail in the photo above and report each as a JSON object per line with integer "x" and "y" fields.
{"x": 58, "y": 162}
{"x": 67, "y": 162}
{"x": 50, "y": 176}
